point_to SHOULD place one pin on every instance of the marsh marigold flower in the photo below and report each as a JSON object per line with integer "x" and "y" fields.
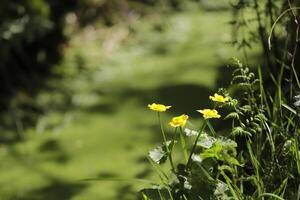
{"x": 218, "y": 98}
{"x": 208, "y": 113}
{"x": 179, "y": 121}
{"x": 158, "y": 107}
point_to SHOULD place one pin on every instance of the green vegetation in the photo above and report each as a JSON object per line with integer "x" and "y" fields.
{"x": 257, "y": 157}
{"x": 108, "y": 130}
{"x": 76, "y": 79}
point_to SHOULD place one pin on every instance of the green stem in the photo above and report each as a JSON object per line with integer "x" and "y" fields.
{"x": 174, "y": 137}
{"x": 183, "y": 145}
{"x": 161, "y": 128}
{"x": 232, "y": 191}
{"x": 255, "y": 164}
{"x": 165, "y": 141}
{"x": 195, "y": 144}
{"x": 212, "y": 130}
{"x": 297, "y": 153}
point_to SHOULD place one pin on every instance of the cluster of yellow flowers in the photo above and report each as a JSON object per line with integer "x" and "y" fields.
{"x": 181, "y": 120}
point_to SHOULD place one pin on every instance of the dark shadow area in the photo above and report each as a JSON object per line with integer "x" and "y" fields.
{"x": 224, "y": 74}
{"x": 32, "y": 42}
{"x": 142, "y": 160}
{"x": 129, "y": 147}
{"x": 107, "y": 175}
{"x": 49, "y": 145}
{"x": 126, "y": 192}
{"x": 143, "y": 174}
{"x": 55, "y": 190}
{"x": 108, "y": 108}
{"x": 9, "y": 138}
{"x": 52, "y": 150}
{"x": 186, "y": 98}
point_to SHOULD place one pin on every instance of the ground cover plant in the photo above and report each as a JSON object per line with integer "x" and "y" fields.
{"x": 258, "y": 156}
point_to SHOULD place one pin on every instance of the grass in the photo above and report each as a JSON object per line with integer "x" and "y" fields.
{"x": 111, "y": 130}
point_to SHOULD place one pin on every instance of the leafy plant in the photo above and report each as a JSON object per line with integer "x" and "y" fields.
{"x": 259, "y": 159}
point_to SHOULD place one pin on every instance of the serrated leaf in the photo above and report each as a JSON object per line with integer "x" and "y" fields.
{"x": 237, "y": 131}
{"x": 246, "y": 108}
{"x": 237, "y": 77}
{"x": 246, "y": 85}
{"x": 223, "y": 150}
{"x": 232, "y": 115}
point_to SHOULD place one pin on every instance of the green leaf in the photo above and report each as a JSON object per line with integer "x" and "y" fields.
{"x": 206, "y": 141}
{"x": 246, "y": 108}
{"x": 221, "y": 191}
{"x": 144, "y": 196}
{"x": 232, "y": 115}
{"x": 233, "y": 161}
{"x": 159, "y": 154}
{"x": 237, "y": 131}
{"x": 289, "y": 108}
{"x": 223, "y": 150}
{"x": 157, "y": 193}
{"x": 188, "y": 132}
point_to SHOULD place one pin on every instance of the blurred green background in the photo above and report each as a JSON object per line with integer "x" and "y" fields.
{"x": 76, "y": 79}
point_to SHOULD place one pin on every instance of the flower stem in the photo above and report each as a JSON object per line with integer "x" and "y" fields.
{"x": 183, "y": 145}
{"x": 212, "y": 130}
{"x": 195, "y": 144}
{"x": 165, "y": 141}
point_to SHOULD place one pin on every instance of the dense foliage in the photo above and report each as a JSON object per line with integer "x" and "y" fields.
{"x": 258, "y": 157}
{"x": 274, "y": 25}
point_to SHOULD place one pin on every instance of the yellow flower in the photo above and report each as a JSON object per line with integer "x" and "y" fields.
{"x": 208, "y": 113}
{"x": 218, "y": 98}
{"x": 158, "y": 107}
{"x": 179, "y": 121}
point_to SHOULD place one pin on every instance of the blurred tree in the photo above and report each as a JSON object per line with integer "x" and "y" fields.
{"x": 31, "y": 36}
{"x": 32, "y": 39}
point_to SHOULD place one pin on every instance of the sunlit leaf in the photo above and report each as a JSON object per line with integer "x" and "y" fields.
{"x": 159, "y": 154}
{"x": 189, "y": 132}
{"x": 206, "y": 141}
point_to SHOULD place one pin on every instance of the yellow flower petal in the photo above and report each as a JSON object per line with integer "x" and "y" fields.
{"x": 179, "y": 121}
{"x": 158, "y": 107}
{"x": 218, "y": 98}
{"x": 208, "y": 113}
